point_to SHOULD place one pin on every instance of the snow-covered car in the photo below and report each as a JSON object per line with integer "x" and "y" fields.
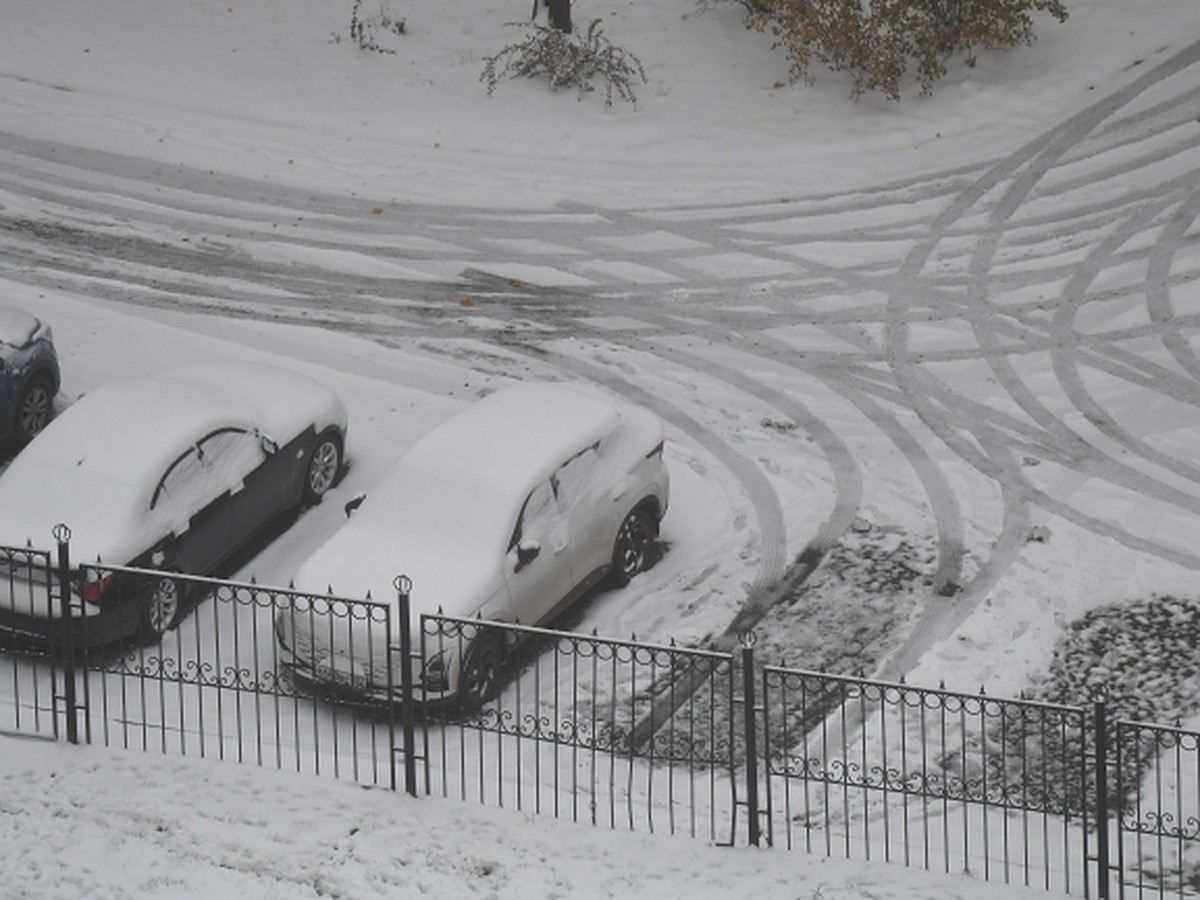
{"x": 174, "y": 472}
{"x": 29, "y": 375}
{"x": 509, "y": 511}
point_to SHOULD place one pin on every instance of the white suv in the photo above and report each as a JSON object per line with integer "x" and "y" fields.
{"x": 509, "y": 511}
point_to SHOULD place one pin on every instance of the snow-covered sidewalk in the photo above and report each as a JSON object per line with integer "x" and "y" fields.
{"x": 106, "y": 824}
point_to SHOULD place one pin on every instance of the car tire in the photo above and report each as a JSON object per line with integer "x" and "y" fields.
{"x": 324, "y": 466}
{"x": 161, "y": 608}
{"x": 479, "y": 680}
{"x": 632, "y": 548}
{"x": 33, "y": 409}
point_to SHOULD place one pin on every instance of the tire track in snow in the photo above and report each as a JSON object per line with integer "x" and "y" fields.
{"x": 1158, "y": 277}
{"x": 908, "y": 259}
{"x": 1017, "y": 177}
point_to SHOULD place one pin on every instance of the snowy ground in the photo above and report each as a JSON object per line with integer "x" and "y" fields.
{"x": 946, "y": 325}
{"x": 106, "y": 824}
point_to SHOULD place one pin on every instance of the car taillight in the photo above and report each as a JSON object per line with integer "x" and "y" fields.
{"x": 92, "y": 588}
{"x": 657, "y": 451}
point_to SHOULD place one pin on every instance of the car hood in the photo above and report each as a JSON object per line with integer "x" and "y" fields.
{"x": 355, "y": 564}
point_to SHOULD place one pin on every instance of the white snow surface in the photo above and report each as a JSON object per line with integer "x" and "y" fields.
{"x": 272, "y": 90}
{"x": 272, "y": 93}
{"x": 108, "y": 825}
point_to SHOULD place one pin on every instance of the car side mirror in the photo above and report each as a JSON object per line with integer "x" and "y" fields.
{"x": 527, "y": 552}
{"x": 354, "y": 503}
{"x": 268, "y": 445}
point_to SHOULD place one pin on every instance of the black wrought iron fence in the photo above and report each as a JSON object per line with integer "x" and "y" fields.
{"x": 1157, "y": 822}
{"x": 930, "y": 778}
{"x": 618, "y": 734}
{"x": 612, "y": 733}
{"x": 30, "y": 682}
{"x": 231, "y": 675}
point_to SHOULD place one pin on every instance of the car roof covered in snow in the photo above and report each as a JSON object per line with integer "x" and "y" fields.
{"x": 129, "y": 431}
{"x": 512, "y": 438}
{"x": 283, "y": 402}
{"x": 97, "y": 464}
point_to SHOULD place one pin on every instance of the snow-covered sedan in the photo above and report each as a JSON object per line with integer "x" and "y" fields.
{"x": 508, "y": 511}
{"x": 175, "y": 472}
{"x": 29, "y": 375}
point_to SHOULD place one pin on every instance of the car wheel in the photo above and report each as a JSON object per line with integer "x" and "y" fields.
{"x": 324, "y": 464}
{"x": 33, "y": 409}
{"x": 480, "y": 680}
{"x": 161, "y": 608}
{"x": 632, "y": 548}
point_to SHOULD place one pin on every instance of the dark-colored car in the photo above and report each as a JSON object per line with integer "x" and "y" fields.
{"x": 29, "y": 376}
{"x": 176, "y": 472}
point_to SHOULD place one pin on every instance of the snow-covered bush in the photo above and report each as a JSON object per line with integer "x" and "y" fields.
{"x": 877, "y": 40}
{"x": 1142, "y": 658}
{"x": 365, "y": 30}
{"x": 567, "y": 60}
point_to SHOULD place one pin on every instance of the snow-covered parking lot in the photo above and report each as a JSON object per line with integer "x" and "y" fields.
{"x": 945, "y": 345}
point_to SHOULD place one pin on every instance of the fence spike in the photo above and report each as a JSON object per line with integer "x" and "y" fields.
{"x": 942, "y": 685}
{"x": 368, "y": 594}
{"x": 982, "y": 690}
{"x": 291, "y": 584}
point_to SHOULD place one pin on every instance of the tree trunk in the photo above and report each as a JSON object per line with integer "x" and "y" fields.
{"x": 559, "y": 14}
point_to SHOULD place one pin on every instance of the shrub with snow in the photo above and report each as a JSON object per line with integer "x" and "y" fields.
{"x": 366, "y": 30}
{"x": 877, "y": 40}
{"x": 567, "y": 60}
{"x": 1141, "y": 657}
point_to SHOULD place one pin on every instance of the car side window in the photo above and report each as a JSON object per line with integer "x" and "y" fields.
{"x": 217, "y": 463}
{"x": 577, "y": 476}
{"x": 229, "y": 455}
{"x": 537, "y": 514}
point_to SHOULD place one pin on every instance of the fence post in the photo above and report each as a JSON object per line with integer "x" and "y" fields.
{"x": 748, "y": 711}
{"x": 403, "y": 585}
{"x": 62, "y": 534}
{"x": 1100, "y": 717}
